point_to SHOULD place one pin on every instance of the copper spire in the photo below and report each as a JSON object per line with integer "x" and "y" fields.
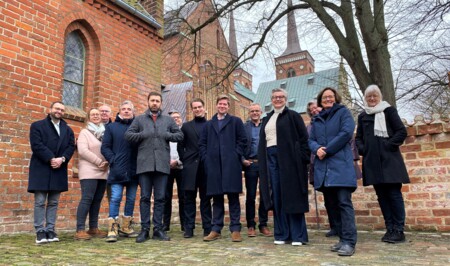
{"x": 293, "y": 44}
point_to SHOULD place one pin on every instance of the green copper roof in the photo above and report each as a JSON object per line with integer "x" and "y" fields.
{"x": 239, "y": 88}
{"x": 300, "y": 89}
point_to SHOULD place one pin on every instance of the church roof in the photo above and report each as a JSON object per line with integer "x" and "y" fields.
{"x": 174, "y": 18}
{"x": 135, "y": 8}
{"x": 174, "y": 98}
{"x": 239, "y": 88}
{"x": 301, "y": 89}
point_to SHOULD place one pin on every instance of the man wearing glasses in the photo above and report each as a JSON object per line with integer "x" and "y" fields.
{"x": 105, "y": 113}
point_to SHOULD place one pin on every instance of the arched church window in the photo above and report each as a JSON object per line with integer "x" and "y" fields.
{"x": 290, "y": 73}
{"x": 74, "y": 62}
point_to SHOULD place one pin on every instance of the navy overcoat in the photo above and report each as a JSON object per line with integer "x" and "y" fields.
{"x": 221, "y": 150}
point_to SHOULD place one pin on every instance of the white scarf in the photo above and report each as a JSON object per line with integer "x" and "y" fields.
{"x": 380, "y": 128}
{"x": 96, "y": 130}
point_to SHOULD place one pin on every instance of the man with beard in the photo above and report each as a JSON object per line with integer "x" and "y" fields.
{"x": 194, "y": 178}
{"x": 152, "y": 132}
{"x": 52, "y": 143}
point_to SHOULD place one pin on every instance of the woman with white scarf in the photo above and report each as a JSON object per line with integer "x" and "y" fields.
{"x": 93, "y": 171}
{"x": 379, "y": 136}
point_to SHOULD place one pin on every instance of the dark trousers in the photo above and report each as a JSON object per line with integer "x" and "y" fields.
{"x": 251, "y": 184}
{"x": 175, "y": 176}
{"x": 392, "y": 206}
{"x": 92, "y": 191}
{"x": 342, "y": 210}
{"x": 156, "y": 182}
{"x": 287, "y": 226}
{"x": 328, "y": 204}
{"x": 234, "y": 208}
{"x": 190, "y": 204}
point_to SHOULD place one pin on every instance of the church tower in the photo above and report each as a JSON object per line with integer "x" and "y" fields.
{"x": 239, "y": 74}
{"x": 293, "y": 62}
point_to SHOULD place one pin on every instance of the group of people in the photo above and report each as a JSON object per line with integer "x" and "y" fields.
{"x": 153, "y": 151}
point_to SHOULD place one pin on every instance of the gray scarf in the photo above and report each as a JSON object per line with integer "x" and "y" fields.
{"x": 380, "y": 128}
{"x": 96, "y": 130}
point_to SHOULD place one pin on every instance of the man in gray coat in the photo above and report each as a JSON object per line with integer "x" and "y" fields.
{"x": 152, "y": 132}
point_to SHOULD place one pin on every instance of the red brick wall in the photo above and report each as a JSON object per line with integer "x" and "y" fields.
{"x": 123, "y": 56}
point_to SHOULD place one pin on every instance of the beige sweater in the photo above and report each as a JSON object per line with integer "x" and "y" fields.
{"x": 90, "y": 157}
{"x": 271, "y": 128}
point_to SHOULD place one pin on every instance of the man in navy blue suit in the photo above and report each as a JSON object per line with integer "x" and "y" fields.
{"x": 52, "y": 143}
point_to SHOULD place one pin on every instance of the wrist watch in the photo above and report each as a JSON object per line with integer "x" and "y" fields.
{"x": 63, "y": 159}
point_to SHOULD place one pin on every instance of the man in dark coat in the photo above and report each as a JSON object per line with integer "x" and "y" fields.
{"x": 193, "y": 173}
{"x": 121, "y": 156}
{"x": 222, "y": 146}
{"x": 251, "y": 174}
{"x": 53, "y": 144}
{"x": 152, "y": 132}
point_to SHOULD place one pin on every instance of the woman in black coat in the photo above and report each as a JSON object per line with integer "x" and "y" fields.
{"x": 379, "y": 136}
{"x": 283, "y": 157}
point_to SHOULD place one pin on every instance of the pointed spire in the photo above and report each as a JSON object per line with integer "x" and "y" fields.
{"x": 232, "y": 38}
{"x": 293, "y": 44}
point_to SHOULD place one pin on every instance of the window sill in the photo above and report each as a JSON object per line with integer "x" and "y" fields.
{"x": 74, "y": 113}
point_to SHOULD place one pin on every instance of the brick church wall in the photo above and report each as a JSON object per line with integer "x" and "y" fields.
{"x": 123, "y": 55}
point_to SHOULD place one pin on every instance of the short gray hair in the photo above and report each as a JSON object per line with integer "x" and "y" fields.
{"x": 280, "y": 90}
{"x": 373, "y": 88}
{"x": 129, "y": 103}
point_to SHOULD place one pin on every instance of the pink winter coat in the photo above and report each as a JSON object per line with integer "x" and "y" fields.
{"x": 90, "y": 157}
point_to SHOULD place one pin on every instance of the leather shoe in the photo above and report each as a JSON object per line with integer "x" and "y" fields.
{"x": 188, "y": 233}
{"x": 206, "y": 232}
{"x": 336, "y": 247}
{"x": 346, "y": 250}
{"x": 212, "y": 236}
{"x": 236, "y": 236}
{"x": 331, "y": 233}
{"x": 143, "y": 236}
{"x": 264, "y": 230}
{"x": 160, "y": 235}
{"x": 251, "y": 232}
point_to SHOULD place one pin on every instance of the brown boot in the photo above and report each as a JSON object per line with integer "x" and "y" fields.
{"x": 212, "y": 236}
{"x": 236, "y": 236}
{"x": 126, "y": 227}
{"x": 95, "y": 232}
{"x": 82, "y": 235}
{"x": 113, "y": 230}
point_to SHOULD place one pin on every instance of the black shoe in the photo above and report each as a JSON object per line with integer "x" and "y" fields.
{"x": 387, "y": 235}
{"x": 41, "y": 238}
{"x": 166, "y": 228}
{"x": 206, "y": 232}
{"x": 188, "y": 233}
{"x": 160, "y": 235}
{"x": 143, "y": 236}
{"x": 52, "y": 236}
{"x": 336, "y": 247}
{"x": 396, "y": 237}
{"x": 182, "y": 228}
{"x": 331, "y": 233}
{"x": 346, "y": 250}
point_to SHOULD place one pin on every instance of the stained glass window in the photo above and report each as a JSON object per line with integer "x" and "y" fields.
{"x": 74, "y": 61}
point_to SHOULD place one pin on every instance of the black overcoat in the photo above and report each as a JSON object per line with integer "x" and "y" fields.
{"x": 221, "y": 150}
{"x": 382, "y": 160}
{"x": 188, "y": 151}
{"x": 293, "y": 157}
{"x": 47, "y": 144}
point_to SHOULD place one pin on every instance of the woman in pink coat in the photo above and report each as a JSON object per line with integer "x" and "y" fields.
{"x": 93, "y": 171}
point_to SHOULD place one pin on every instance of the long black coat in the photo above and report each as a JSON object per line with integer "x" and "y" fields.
{"x": 188, "y": 151}
{"x": 221, "y": 151}
{"x": 46, "y": 144}
{"x": 293, "y": 157}
{"x": 382, "y": 160}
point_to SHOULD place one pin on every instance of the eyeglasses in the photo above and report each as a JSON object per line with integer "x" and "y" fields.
{"x": 327, "y": 97}
{"x": 105, "y": 111}
{"x": 278, "y": 97}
